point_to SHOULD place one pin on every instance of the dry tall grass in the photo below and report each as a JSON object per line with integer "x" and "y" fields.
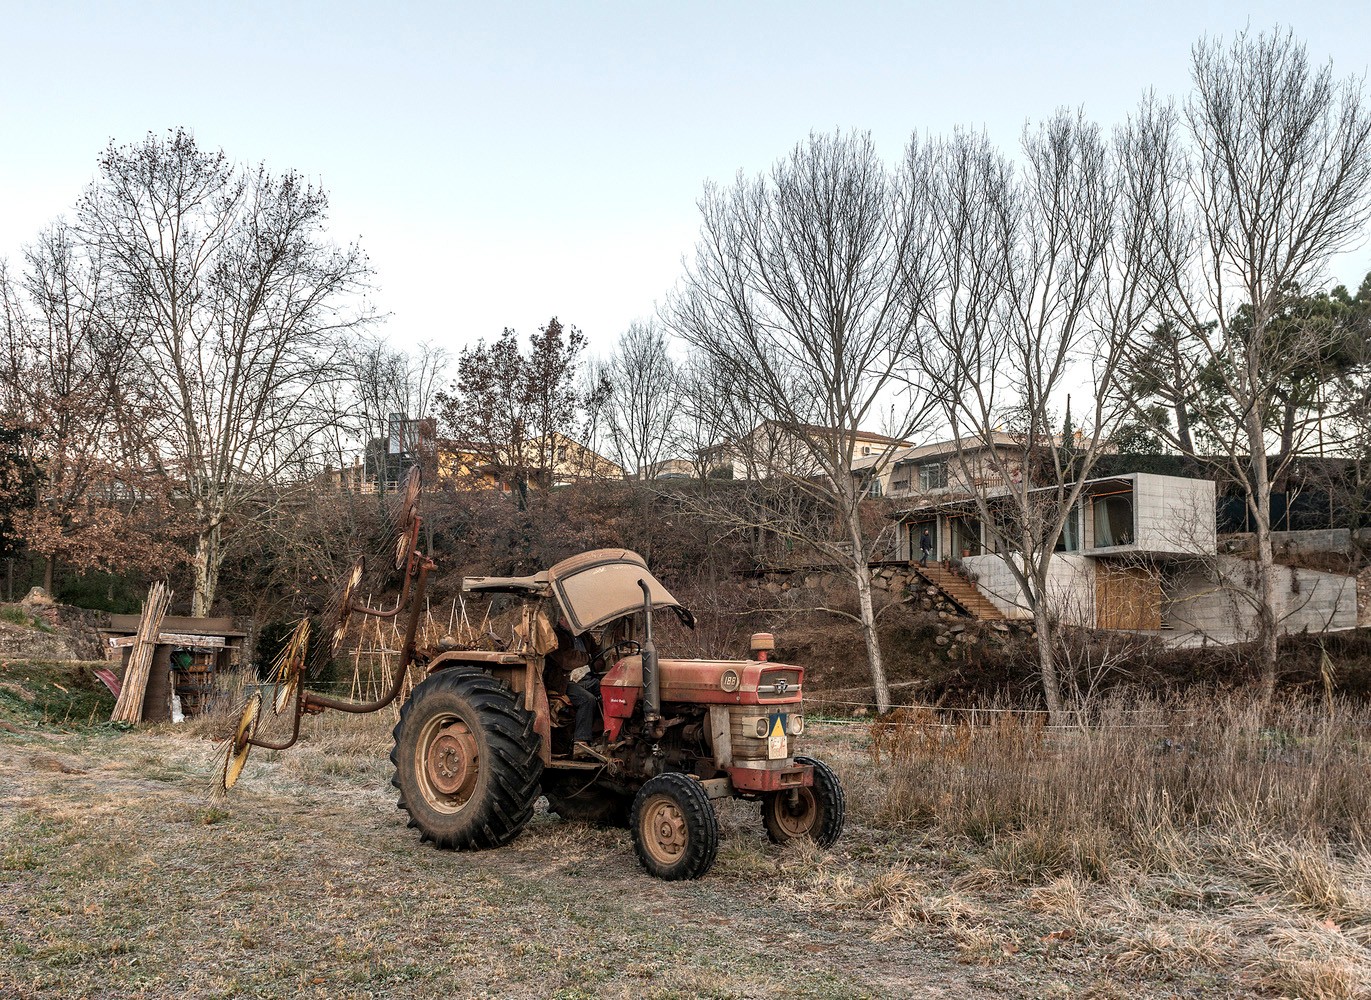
{"x": 1202, "y": 834}
{"x": 1140, "y": 778}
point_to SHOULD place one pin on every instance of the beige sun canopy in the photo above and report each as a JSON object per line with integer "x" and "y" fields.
{"x": 596, "y": 587}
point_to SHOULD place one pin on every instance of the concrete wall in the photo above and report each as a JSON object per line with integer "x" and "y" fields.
{"x": 1172, "y": 515}
{"x": 1070, "y": 586}
{"x": 1335, "y": 540}
{"x": 1211, "y": 599}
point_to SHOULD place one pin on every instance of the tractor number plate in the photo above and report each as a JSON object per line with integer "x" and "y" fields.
{"x": 775, "y": 741}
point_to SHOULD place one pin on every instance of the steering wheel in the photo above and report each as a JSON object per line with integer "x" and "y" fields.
{"x": 632, "y": 645}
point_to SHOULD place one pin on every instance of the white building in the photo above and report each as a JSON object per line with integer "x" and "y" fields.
{"x": 1138, "y": 553}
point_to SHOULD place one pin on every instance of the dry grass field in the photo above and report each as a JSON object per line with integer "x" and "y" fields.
{"x": 994, "y": 860}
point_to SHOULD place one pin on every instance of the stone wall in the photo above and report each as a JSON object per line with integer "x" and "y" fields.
{"x": 55, "y": 632}
{"x": 897, "y": 582}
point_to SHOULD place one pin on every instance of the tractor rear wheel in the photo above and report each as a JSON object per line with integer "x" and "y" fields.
{"x": 675, "y": 831}
{"x": 816, "y": 812}
{"x": 467, "y": 761}
{"x": 574, "y": 802}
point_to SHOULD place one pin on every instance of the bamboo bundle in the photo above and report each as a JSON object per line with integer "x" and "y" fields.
{"x": 129, "y": 707}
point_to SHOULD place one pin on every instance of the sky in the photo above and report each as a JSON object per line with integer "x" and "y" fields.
{"x": 502, "y": 163}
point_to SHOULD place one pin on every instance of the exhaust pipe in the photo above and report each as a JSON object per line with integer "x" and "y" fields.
{"x": 652, "y": 683}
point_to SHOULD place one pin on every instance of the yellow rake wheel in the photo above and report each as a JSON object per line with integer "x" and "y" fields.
{"x": 238, "y": 751}
{"x": 290, "y": 666}
{"x": 344, "y": 611}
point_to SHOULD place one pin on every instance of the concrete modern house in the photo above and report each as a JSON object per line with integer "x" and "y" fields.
{"x": 1139, "y": 553}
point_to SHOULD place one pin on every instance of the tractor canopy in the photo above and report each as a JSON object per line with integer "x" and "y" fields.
{"x": 596, "y": 587}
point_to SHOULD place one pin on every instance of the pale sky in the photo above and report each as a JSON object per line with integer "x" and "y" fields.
{"x": 505, "y": 162}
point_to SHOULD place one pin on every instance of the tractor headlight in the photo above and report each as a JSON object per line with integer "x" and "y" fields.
{"x": 796, "y": 725}
{"x": 730, "y": 681}
{"x": 763, "y": 727}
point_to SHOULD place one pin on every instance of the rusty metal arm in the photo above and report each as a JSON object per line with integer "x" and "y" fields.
{"x": 307, "y": 700}
{"x": 312, "y": 700}
{"x": 295, "y": 730}
{"x": 362, "y": 609}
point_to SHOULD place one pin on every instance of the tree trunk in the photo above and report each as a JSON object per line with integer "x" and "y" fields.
{"x": 861, "y": 574}
{"x": 1183, "y": 429}
{"x": 1267, "y": 637}
{"x": 1266, "y": 583}
{"x": 209, "y": 558}
{"x": 49, "y": 572}
{"x": 1047, "y": 660}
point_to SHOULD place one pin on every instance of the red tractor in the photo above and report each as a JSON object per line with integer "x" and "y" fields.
{"x": 489, "y": 731}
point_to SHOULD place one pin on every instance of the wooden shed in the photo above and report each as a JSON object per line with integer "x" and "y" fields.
{"x": 190, "y": 653}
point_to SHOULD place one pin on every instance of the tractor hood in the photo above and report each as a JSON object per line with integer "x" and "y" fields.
{"x": 596, "y": 587}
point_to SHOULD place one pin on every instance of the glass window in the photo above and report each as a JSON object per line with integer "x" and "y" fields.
{"x": 966, "y": 536}
{"x": 933, "y": 475}
{"x": 1070, "y": 538}
{"x": 1113, "y": 520}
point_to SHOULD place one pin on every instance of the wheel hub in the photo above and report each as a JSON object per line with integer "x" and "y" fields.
{"x": 451, "y": 763}
{"x": 665, "y": 830}
{"x": 795, "y": 812}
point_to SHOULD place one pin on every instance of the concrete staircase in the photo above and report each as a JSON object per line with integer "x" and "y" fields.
{"x": 959, "y": 590}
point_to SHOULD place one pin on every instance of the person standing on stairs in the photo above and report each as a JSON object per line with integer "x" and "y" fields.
{"x": 925, "y": 547}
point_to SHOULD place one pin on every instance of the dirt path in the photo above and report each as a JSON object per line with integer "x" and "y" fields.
{"x": 119, "y": 877}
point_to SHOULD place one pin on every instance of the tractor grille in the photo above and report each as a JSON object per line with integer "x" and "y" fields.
{"x": 747, "y": 746}
{"x": 777, "y": 684}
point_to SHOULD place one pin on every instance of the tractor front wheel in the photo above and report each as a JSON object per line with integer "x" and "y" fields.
{"x": 675, "y": 831}
{"x": 816, "y": 812}
{"x": 467, "y": 760}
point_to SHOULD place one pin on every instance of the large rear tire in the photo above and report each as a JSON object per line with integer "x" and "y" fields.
{"x": 467, "y": 761}
{"x": 815, "y": 812}
{"x": 675, "y": 831}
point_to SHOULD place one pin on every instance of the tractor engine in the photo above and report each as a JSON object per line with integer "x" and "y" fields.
{"x": 724, "y": 718}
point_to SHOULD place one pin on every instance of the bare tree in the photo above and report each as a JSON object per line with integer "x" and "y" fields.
{"x": 1041, "y": 288}
{"x": 66, "y": 363}
{"x": 712, "y": 414}
{"x": 644, "y": 399}
{"x": 1266, "y": 173}
{"x": 803, "y": 294}
{"x": 595, "y": 391}
{"x": 237, "y": 301}
{"x": 382, "y": 381}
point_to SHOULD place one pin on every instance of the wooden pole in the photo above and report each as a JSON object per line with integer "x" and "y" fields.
{"x": 129, "y": 707}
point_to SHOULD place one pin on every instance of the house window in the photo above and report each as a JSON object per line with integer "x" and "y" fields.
{"x": 966, "y": 536}
{"x": 1113, "y": 520}
{"x": 1070, "y": 538}
{"x": 873, "y": 487}
{"x": 561, "y": 453}
{"x": 932, "y": 475}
